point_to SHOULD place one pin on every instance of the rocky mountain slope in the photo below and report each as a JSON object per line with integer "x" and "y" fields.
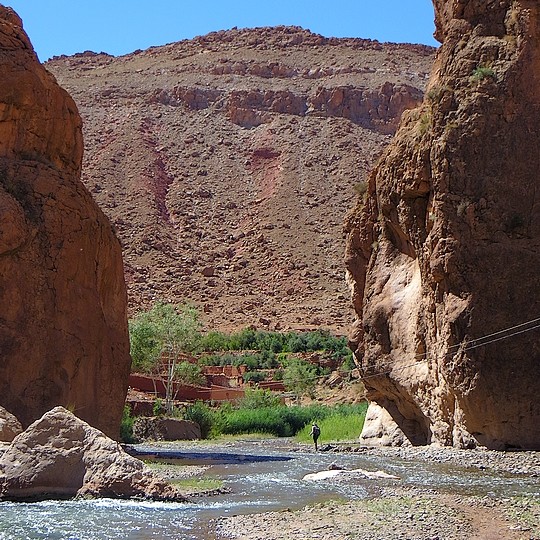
{"x": 63, "y": 327}
{"x": 444, "y": 250}
{"x": 227, "y": 164}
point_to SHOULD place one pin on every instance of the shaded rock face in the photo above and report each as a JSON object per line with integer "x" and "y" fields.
{"x": 63, "y": 330}
{"x": 10, "y": 427}
{"x": 444, "y": 248}
{"x": 60, "y": 456}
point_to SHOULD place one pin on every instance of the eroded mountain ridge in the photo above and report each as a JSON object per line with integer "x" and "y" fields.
{"x": 227, "y": 164}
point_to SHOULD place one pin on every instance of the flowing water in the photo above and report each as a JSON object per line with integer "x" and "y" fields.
{"x": 261, "y": 476}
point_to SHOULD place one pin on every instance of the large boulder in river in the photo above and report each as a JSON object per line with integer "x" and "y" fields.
{"x": 60, "y": 456}
{"x": 443, "y": 251}
{"x": 10, "y": 427}
{"x": 63, "y": 325}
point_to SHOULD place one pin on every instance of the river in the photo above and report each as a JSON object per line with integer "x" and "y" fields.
{"x": 261, "y": 475}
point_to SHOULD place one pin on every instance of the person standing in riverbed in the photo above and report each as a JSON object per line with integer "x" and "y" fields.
{"x": 315, "y": 432}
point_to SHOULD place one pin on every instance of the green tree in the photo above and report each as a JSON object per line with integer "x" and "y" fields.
{"x": 300, "y": 377}
{"x": 188, "y": 373}
{"x": 255, "y": 398}
{"x": 158, "y": 337}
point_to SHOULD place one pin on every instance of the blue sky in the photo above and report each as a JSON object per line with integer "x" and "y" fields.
{"x": 121, "y": 26}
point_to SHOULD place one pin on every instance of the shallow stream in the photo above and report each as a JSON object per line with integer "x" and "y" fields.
{"x": 261, "y": 475}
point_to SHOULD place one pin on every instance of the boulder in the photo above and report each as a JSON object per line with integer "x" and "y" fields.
{"x": 443, "y": 249}
{"x": 159, "y": 428}
{"x": 63, "y": 330}
{"x": 348, "y": 474}
{"x": 61, "y": 456}
{"x": 10, "y": 427}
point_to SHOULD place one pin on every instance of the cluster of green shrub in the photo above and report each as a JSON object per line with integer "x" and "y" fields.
{"x": 250, "y": 339}
{"x": 178, "y": 329}
{"x": 270, "y": 350}
{"x": 159, "y": 337}
{"x": 263, "y": 412}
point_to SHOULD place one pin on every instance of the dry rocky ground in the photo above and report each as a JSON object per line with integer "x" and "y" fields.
{"x": 227, "y": 165}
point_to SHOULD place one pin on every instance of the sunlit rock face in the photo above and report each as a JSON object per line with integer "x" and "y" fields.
{"x": 60, "y": 456}
{"x": 63, "y": 329}
{"x": 444, "y": 249}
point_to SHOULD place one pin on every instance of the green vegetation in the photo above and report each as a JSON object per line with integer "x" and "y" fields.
{"x": 525, "y": 510}
{"x": 158, "y": 337}
{"x": 167, "y": 343}
{"x": 164, "y": 329}
{"x": 198, "y": 485}
{"x": 482, "y": 72}
{"x": 254, "y": 377}
{"x": 126, "y": 426}
{"x": 175, "y": 475}
{"x": 188, "y": 373}
{"x": 391, "y": 506}
{"x": 424, "y": 123}
{"x": 250, "y": 339}
{"x": 203, "y": 415}
{"x": 255, "y": 398}
{"x": 344, "y": 423}
{"x": 261, "y": 412}
{"x": 435, "y": 94}
{"x": 300, "y": 377}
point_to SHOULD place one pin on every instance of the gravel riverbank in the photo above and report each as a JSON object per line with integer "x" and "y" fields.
{"x": 405, "y": 512}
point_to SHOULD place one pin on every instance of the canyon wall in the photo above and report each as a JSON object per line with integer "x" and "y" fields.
{"x": 443, "y": 249}
{"x": 63, "y": 329}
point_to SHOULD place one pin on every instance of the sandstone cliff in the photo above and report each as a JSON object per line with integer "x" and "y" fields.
{"x": 227, "y": 164}
{"x": 63, "y": 331}
{"x": 444, "y": 249}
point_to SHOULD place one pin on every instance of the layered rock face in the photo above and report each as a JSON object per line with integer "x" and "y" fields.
{"x": 444, "y": 249}
{"x": 63, "y": 330}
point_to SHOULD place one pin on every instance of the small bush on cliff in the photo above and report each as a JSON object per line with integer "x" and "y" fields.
{"x": 424, "y": 123}
{"x": 482, "y": 72}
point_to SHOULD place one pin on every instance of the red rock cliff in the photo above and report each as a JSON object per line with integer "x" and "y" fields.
{"x": 63, "y": 330}
{"x": 444, "y": 249}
